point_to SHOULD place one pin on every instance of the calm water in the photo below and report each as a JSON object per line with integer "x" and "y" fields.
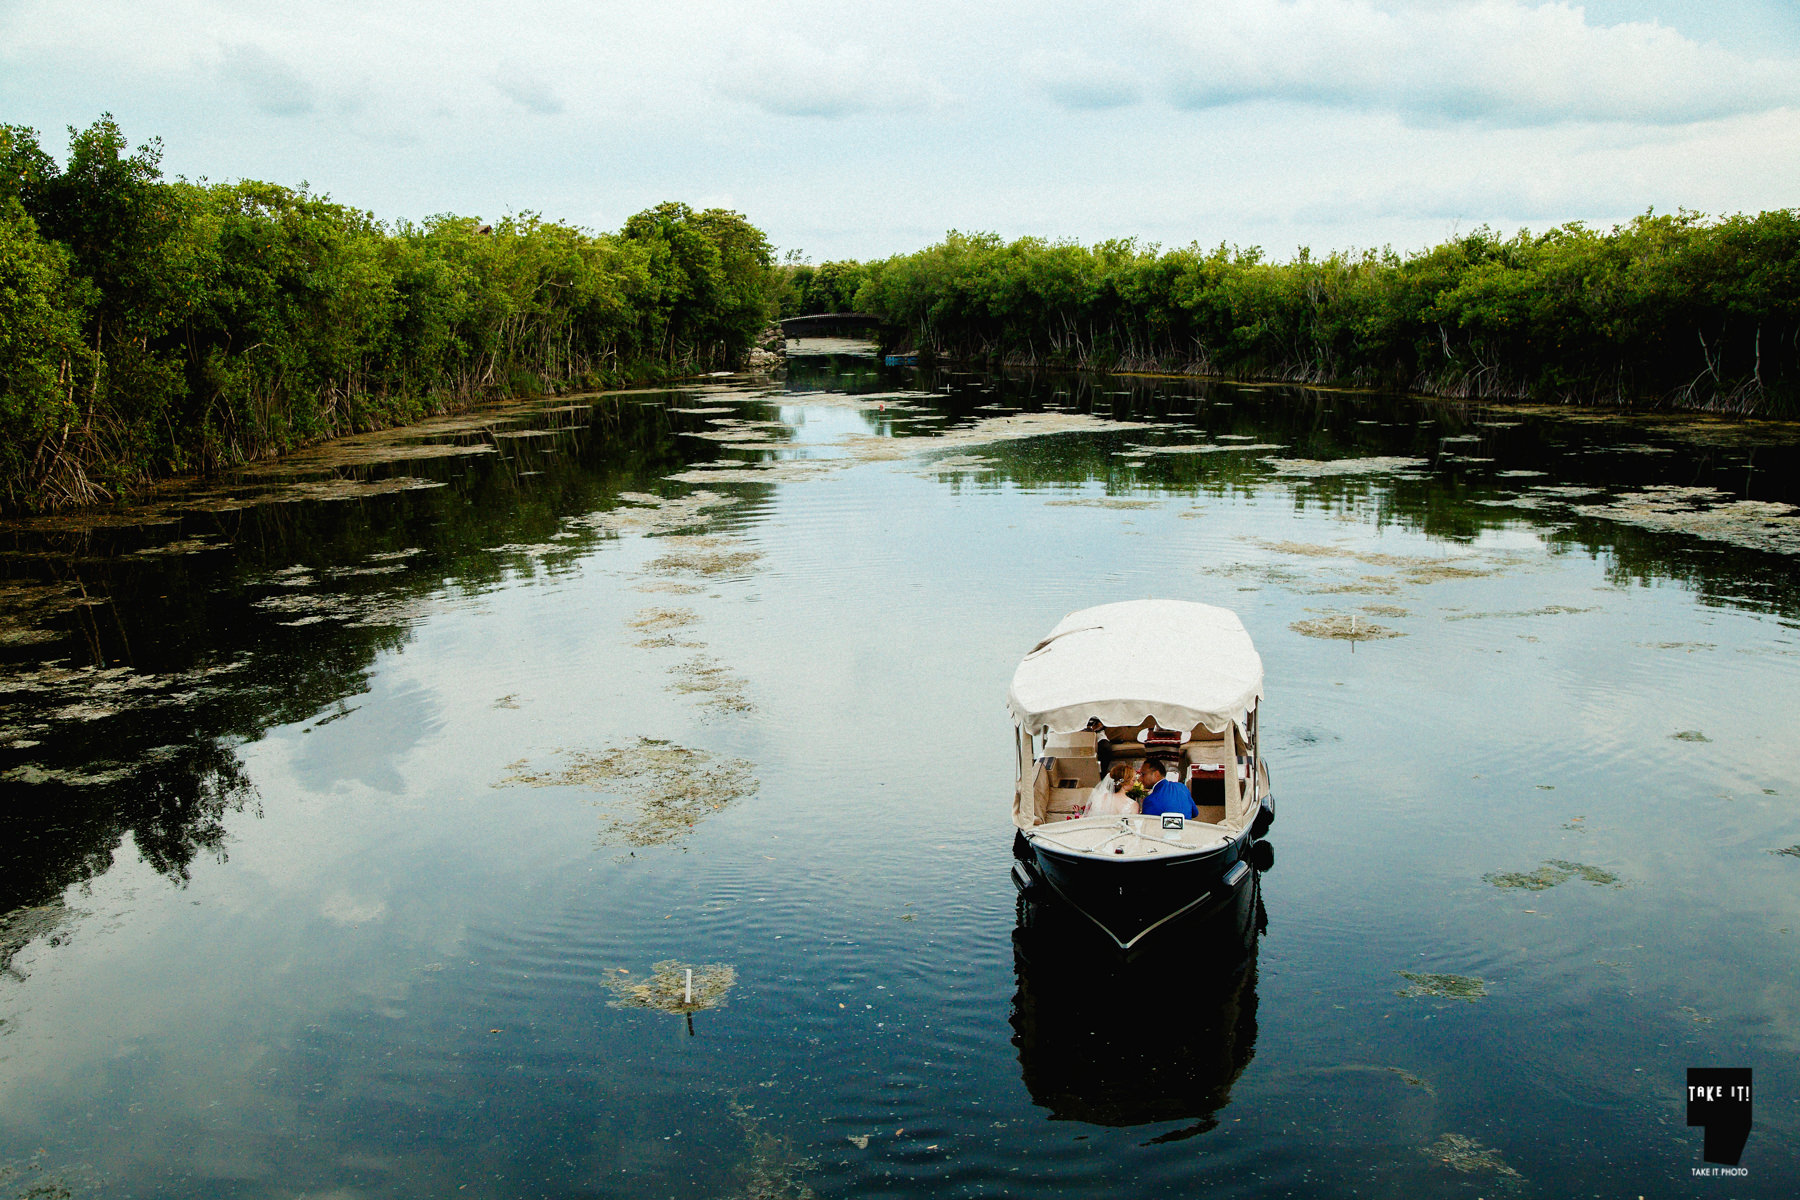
{"x": 319, "y": 879}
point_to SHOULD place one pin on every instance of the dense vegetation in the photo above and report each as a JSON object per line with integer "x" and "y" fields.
{"x": 1677, "y": 308}
{"x": 150, "y": 326}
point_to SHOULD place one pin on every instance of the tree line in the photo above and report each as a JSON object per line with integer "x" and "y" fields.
{"x": 151, "y": 327}
{"x": 1677, "y": 309}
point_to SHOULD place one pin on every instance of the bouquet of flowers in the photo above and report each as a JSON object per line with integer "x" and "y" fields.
{"x": 1131, "y": 785}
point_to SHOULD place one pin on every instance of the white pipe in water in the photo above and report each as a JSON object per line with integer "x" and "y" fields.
{"x": 690, "y": 987}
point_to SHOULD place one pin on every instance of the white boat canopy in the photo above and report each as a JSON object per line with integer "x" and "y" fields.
{"x": 1184, "y": 664}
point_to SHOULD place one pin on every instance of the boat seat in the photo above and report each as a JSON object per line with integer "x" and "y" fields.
{"x": 1071, "y": 780}
{"x": 1071, "y": 745}
{"x": 1212, "y": 751}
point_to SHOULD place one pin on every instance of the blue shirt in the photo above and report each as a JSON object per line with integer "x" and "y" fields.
{"x": 1169, "y": 797}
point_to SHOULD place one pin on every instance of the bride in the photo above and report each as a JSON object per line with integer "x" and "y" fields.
{"x": 1109, "y": 798}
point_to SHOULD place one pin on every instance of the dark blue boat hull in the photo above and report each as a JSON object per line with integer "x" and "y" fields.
{"x": 1129, "y": 898}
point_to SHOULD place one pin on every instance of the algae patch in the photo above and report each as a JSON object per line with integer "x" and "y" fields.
{"x": 665, "y": 990}
{"x": 1548, "y": 610}
{"x": 707, "y": 557}
{"x": 720, "y": 689}
{"x": 1553, "y": 872}
{"x": 661, "y": 790}
{"x": 1706, "y": 513}
{"x": 658, "y": 620}
{"x": 1101, "y": 502}
{"x": 1446, "y": 987}
{"x": 1344, "y": 627}
{"x": 643, "y": 513}
{"x": 1310, "y": 468}
{"x": 1690, "y": 735}
{"x": 772, "y": 1171}
{"x": 1468, "y": 1156}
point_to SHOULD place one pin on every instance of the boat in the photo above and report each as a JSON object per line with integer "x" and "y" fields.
{"x": 1171, "y": 679}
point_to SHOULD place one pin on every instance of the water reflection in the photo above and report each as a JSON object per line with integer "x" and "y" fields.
{"x": 362, "y": 672}
{"x": 1158, "y": 1037}
{"x": 136, "y": 659}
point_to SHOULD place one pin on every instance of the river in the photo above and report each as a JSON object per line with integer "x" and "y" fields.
{"x": 352, "y": 803}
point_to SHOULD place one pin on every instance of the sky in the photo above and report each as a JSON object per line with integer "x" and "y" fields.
{"x": 857, "y": 130}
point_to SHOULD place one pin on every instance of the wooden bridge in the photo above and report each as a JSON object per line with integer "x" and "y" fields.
{"x": 833, "y": 325}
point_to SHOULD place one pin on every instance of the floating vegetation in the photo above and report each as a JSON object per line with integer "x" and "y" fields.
{"x": 1102, "y": 502}
{"x": 355, "y": 611}
{"x": 1385, "y": 610}
{"x": 643, "y": 513}
{"x": 191, "y": 545}
{"x": 1443, "y": 987}
{"x": 1311, "y": 468}
{"x": 1690, "y": 735}
{"x": 1789, "y": 851}
{"x": 20, "y": 927}
{"x": 705, "y": 556}
{"x": 721, "y": 689}
{"x": 1210, "y": 447}
{"x": 656, "y": 620}
{"x": 663, "y": 789}
{"x": 787, "y": 470}
{"x": 1468, "y": 1156}
{"x": 1707, "y": 513}
{"x": 98, "y": 774}
{"x": 67, "y": 694}
{"x": 33, "y": 1182}
{"x": 28, "y": 637}
{"x": 532, "y": 433}
{"x": 667, "y": 641}
{"x": 1548, "y": 610}
{"x": 1439, "y": 572}
{"x": 368, "y": 451}
{"x": 992, "y": 429}
{"x": 732, "y": 434}
{"x": 1366, "y": 585}
{"x": 772, "y": 1171}
{"x": 666, "y": 988}
{"x": 669, "y": 586}
{"x": 1553, "y": 872}
{"x": 1344, "y": 627}
{"x": 1417, "y": 569}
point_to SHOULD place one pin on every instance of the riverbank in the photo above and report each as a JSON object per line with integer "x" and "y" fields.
{"x": 1680, "y": 311}
{"x": 151, "y": 329}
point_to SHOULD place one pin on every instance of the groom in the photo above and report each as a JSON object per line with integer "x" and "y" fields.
{"x": 1165, "y": 795}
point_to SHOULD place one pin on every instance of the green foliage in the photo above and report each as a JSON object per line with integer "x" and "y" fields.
{"x": 42, "y": 352}
{"x": 1704, "y": 314}
{"x": 806, "y": 290}
{"x": 149, "y": 327}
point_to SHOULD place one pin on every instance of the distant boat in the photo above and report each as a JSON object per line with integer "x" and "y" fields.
{"x": 901, "y": 360}
{"x": 1169, "y": 679}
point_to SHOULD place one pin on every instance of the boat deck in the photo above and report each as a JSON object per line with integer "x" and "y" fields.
{"x": 1131, "y": 837}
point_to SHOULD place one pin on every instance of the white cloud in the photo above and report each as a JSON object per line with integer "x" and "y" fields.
{"x": 1075, "y": 81}
{"x": 790, "y": 77}
{"x": 1327, "y": 122}
{"x": 1498, "y": 62}
{"x": 269, "y": 84}
{"x": 528, "y": 90}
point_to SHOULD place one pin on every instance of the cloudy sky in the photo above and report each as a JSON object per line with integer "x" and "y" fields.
{"x": 861, "y": 130}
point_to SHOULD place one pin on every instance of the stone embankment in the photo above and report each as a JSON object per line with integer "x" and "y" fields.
{"x": 770, "y": 350}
